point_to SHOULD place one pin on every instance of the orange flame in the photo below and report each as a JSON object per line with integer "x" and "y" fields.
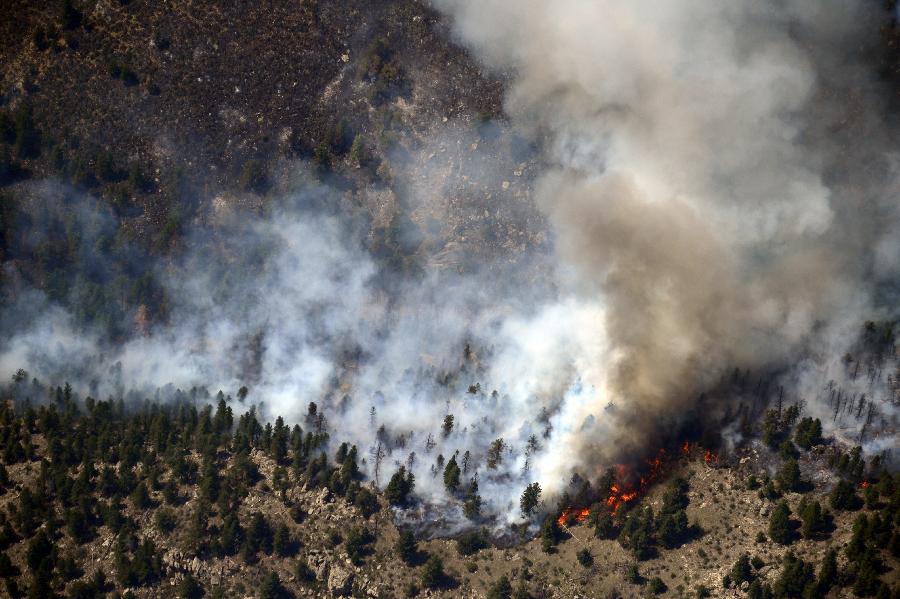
{"x": 579, "y": 515}
{"x": 864, "y": 484}
{"x": 619, "y": 494}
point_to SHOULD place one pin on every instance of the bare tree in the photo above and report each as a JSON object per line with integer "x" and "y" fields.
{"x": 378, "y": 454}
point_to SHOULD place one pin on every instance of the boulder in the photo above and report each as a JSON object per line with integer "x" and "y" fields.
{"x": 340, "y": 580}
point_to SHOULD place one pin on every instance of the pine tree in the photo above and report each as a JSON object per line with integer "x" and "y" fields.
{"x": 780, "y": 524}
{"x": 399, "y": 487}
{"x": 530, "y": 498}
{"x": 472, "y": 505}
{"x": 405, "y": 547}
{"x": 502, "y": 589}
{"x": 433, "y": 573}
{"x": 789, "y": 476}
{"x": 451, "y": 475}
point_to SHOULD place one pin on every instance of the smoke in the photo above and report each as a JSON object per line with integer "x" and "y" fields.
{"x": 724, "y": 182}
{"x": 294, "y": 306}
{"x": 721, "y": 194}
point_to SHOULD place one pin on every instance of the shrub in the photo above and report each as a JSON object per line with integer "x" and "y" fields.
{"x": 633, "y": 576}
{"x": 165, "y": 520}
{"x": 585, "y": 558}
{"x": 471, "y": 542}
{"x": 433, "y": 573}
{"x": 189, "y": 588}
{"x": 405, "y": 547}
{"x": 501, "y": 589}
{"x": 358, "y": 539}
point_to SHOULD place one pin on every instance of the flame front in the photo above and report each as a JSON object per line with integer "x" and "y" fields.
{"x": 618, "y": 495}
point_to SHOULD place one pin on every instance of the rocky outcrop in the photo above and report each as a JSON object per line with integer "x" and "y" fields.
{"x": 340, "y": 580}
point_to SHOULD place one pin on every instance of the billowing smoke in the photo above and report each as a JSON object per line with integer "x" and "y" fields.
{"x": 724, "y": 180}
{"x": 721, "y": 193}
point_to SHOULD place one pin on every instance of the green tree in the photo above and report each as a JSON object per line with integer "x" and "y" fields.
{"x": 399, "y": 487}
{"x": 140, "y": 497}
{"x": 808, "y": 433}
{"x": 495, "y": 453}
{"x": 843, "y": 496}
{"x": 451, "y": 475}
{"x": 550, "y": 534}
{"x": 472, "y": 504}
{"x": 812, "y": 520}
{"x": 741, "y": 571}
{"x": 789, "y": 476}
{"x": 600, "y": 517}
{"x": 406, "y": 547}
{"x": 797, "y": 578}
{"x": 530, "y": 499}
{"x": 282, "y": 543}
{"x": 780, "y": 524}
{"x": 433, "y": 573}
{"x": 189, "y": 588}
{"x": 502, "y": 589}
{"x": 271, "y": 587}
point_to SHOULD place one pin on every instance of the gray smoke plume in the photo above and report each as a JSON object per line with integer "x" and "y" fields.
{"x": 724, "y": 182}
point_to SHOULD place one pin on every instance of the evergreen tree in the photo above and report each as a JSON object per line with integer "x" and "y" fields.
{"x": 843, "y": 496}
{"x": 780, "y": 524}
{"x": 399, "y": 487}
{"x": 433, "y": 573}
{"x": 811, "y": 517}
{"x": 405, "y": 547}
{"x": 789, "y": 476}
{"x": 271, "y": 587}
{"x": 797, "y": 578}
{"x": 550, "y": 534}
{"x": 451, "y": 475}
{"x": 472, "y": 505}
{"x": 502, "y": 589}
{"x": 741, "y": 571}
{"x": 530, "y": 498}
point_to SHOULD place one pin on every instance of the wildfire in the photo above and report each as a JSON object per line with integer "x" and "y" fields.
{"x": 864, "y": 484}
{"x": 620, "y": 492}
{"x": 579, "y": 515}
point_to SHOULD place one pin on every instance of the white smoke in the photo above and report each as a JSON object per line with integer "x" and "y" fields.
{"x": 705, "y": 216}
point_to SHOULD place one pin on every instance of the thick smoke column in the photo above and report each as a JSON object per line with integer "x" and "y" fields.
{"x": 713, "y": 182}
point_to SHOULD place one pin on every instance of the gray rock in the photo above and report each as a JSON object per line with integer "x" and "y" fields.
{"x": 340, "y": 581}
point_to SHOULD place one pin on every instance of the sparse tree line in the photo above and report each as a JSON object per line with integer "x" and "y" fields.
{"x": 100, "y": 462}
